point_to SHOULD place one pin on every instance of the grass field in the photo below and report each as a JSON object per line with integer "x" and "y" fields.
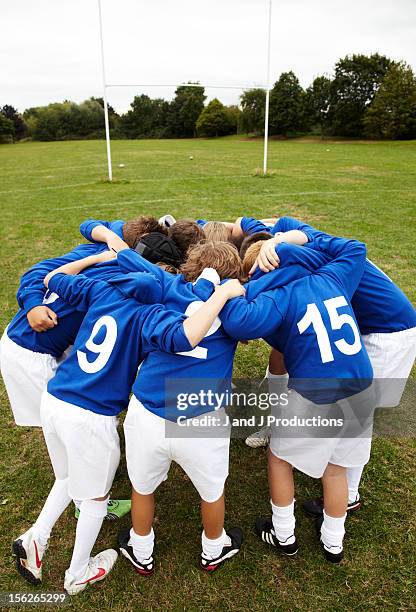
{"x": 364, "y": 190}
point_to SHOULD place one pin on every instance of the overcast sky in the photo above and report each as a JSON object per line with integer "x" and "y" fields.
{"x": 50, "y": 49}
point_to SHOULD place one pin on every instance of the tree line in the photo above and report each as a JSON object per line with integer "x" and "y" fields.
{"x": 367, "y": 97}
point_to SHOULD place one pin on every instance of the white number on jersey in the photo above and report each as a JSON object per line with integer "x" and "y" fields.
{"x": 102, "y": 350}
{"x": 313, "y": 317}
{"x": 50, "y": 298}
{"x": 199, "y": 352}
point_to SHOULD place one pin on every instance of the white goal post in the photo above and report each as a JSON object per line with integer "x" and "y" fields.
{"x": 106, "y": 86}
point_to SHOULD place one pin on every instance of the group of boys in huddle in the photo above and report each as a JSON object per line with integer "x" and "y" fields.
{"x": 102, "y": 329}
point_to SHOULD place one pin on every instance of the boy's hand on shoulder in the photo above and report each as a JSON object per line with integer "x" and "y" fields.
{"x": 42, "y": 318}
{"x": 232, "y": 288}
{"x": 267, "y": 259}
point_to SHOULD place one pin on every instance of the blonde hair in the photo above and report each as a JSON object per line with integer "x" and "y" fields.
{"x": 251, "y": 256}
{"x": 216, "y": 231}
{"x": 223, "y": 256}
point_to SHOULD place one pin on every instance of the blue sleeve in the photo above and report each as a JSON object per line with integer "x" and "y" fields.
{"x": 163, "y": 331}
{"x": 78, "y": 290}
{"x": 130, "y": 261}
{"x": 295, "y": 262}
{"x": 286, "y": 224}
{"x": 243, "y": 320}
{"x": 250, "y": 225}
{"x": 348, "y": 260}
{"x": 32, "y": 290}
{"x": 87, "y": 226}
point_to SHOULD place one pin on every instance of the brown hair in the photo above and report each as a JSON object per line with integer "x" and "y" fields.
{"x": 222, "y": 256}
{"x": 185, "y": 233}
{"x": 135, "y": 229}
{"x": 251, "y": 256}
{"x": 250, "y": 240}
{"x": 167, "y": 267}
{"x": 216, "y": 231}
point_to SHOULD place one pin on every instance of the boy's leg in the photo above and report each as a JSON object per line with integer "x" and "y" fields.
{"x": 277, "y": 377}
{"x": 137, "y": 543}
{"x": 217, "y": 544}
{"x": 57, "y": 502}
{"x": 334, "y": 482}
{"x": 213, "y": 515}
{"x": 92, "y": 513}
{"x": 30, "y": 547}
{"x": 282, "y": 492}
{"x": 279, "y": 531}
{"x": 142, "y": 536}
{"x": 214, "y": 537}
{"x": 354, "y": 478}
{"x": 83, "y": 569}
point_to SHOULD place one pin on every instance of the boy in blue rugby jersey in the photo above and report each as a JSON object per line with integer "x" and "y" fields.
{"x": 149, "y": 451}
{"x": 312, "y": 323}
{"x": 387, "y": 322}
{"x": 79, "y": 410}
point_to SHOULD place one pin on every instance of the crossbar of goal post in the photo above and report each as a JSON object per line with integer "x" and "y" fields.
{"x": 112, "y": 85}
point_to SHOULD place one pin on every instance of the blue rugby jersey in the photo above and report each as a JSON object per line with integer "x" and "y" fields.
{"x": 56, "y": 340}
{"x": 208, "y": 366}
{"x": 114, "y": 336}
{"x": 201, "y": 222}
{"x": 379, "y": 305}
{"x": 312, "y": 322}
{"x": 250, "y": 225}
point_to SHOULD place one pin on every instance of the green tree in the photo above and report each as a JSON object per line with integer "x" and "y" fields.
{"x": 234, "y": 114}
{"x": 6, "y": 129}
{"x": 146, "y": 119}
{"x": 357, "y": 79}
{"x": 66, "y": 120}
{"x": 392, "y": 114}
{"x": 215, "y": 120}
{"x": 19, "y": 125}
{"x": 287, "y": 106}
{"x": 184, "y": 111}
{"x": 317, "y": 103}
{"x": 253, "y": 102}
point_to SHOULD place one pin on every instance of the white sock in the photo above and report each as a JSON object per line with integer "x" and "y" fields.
{"x": 332, "y": 532}
{"x": 142, "y": 545}
{"x": 57, "y": 501}
{"x": 353, "y": 478}
{"x": 77, "y": 503}
{"x": 91, "y": 518}
{"x": 284, "y": 522}
{"x": 272, "y": 376}
{"x": 277, "y": 383}
{"x": 212, "y": 548}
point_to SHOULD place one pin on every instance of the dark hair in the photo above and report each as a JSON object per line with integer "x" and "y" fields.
{"x": 185, "y": 233}
{"x": 249, "y": 240}
{"x": 135, "y": 229}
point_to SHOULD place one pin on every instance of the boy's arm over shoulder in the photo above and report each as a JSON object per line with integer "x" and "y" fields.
{"x": 348, "y": 260}
{"x": 79, "y": 291}
{"x": 89, "y": 225}
{"x": 243, "y": 320}
{"x": 250, "y": 225}
{"x": 163, "y": 330}
{"x": 32, "y": 290}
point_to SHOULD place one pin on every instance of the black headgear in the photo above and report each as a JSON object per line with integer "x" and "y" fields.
{"x": 157, "y": 247}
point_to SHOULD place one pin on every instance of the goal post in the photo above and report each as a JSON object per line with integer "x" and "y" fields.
{"x": 107, "y": 86}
